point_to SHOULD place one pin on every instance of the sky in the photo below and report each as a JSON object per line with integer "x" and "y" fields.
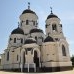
{"x": 10, "y": 10}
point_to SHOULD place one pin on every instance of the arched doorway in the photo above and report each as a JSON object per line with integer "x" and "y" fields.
{"x": 36, "y": 59}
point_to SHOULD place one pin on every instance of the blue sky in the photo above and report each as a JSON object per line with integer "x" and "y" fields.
{"x": 10, "y": 10}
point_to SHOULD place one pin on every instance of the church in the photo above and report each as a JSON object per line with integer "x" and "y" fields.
{"x": 30, "y": 50}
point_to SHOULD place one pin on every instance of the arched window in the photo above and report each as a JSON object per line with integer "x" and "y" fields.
{"x": 63, "y": 50}
{"x": 14, "y": 40}
{"x": 7, "y": 56}
{"x": 27, "y": 22}
{"x": 54, "y": 27}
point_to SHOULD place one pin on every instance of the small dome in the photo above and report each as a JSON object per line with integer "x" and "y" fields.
{"x": 52, "y": 16}
{"x": 30, "y": 40}
{"x": 49, "y": 39}
{"x": 17, "y": 31}
{"x": 28, "y": 11}
{"x": 36, "y": 30}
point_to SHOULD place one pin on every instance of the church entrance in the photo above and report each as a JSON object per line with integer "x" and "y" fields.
{"x": 36, "y": 59}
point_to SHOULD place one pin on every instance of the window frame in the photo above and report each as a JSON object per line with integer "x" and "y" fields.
{"x": 17, "y": 57}
{"x": 63, "y": 50}
{"x": 21, "y": 40}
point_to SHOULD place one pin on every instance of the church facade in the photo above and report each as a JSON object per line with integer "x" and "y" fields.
{"x": 30, "y": 50}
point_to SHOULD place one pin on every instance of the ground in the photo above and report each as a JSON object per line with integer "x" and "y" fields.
{"x": 63, "y": 72}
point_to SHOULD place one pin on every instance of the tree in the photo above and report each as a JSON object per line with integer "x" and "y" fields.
{"x": 72, "y": 59}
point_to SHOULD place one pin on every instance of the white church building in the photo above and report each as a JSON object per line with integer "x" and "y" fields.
{"x": 30, "y": 50}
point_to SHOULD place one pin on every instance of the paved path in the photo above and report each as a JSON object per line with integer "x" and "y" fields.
{"x": 63, "y": 72}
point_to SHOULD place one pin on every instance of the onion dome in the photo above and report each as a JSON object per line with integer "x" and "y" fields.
{"x": 52, "y": 15}
{"x": 28, "y": 11}
{"x": 36, "y": 30}
{"x": 30, "y": 41}
{"x": 48, "y": 39}
{"x": 17, "y": 31}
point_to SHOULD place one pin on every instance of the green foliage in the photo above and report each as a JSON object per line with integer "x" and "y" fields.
{"x": 72, "y": 59}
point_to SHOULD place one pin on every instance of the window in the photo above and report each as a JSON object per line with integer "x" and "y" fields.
{"x": 7, "y": 56}
{"x": 24, "y": 58}
{"x": 14, "y": 40}
{"x": 54, "y": 27}
{"x": 63, "y": 50}
{"x": 33, "y": 22}
{"x": 36, "y": 38}
{"x": 21, "y": 40}
{"x": 27, "y": 22}
{"x": 42, "y": 39}
{"x": 17, "y": 57}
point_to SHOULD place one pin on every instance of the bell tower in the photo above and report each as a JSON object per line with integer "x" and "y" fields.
{"x": 53, "y": 26}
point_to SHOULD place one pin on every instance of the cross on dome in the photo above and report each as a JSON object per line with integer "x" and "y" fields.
{"x": 28, "y": 5}
{"x": 51, "y": 10}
